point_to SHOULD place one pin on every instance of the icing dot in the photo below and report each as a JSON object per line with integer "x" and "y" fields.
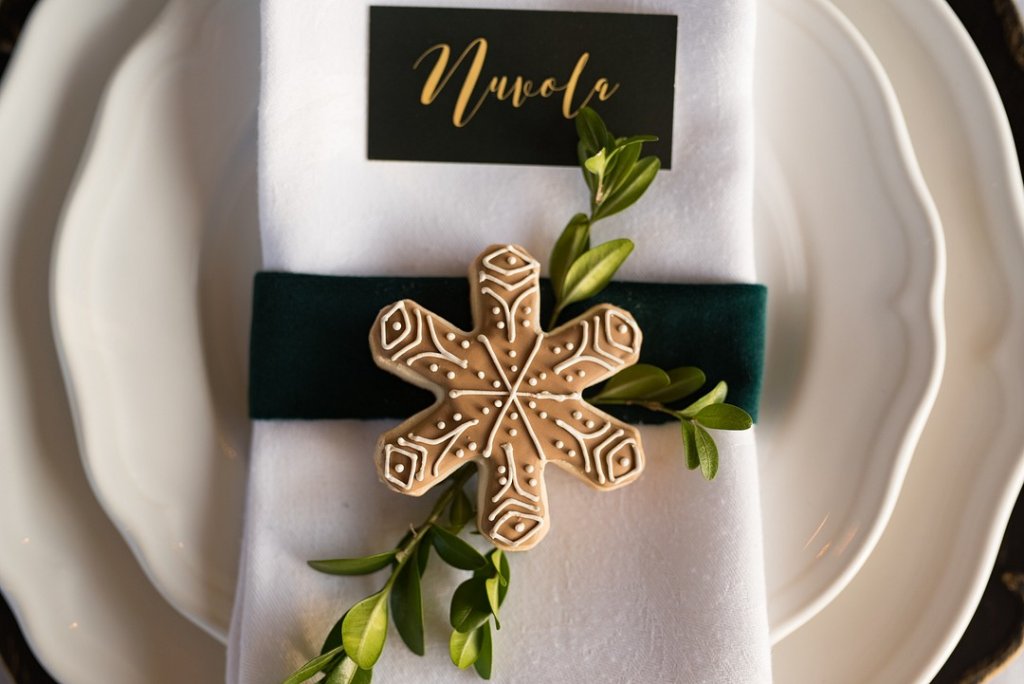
{"x": 450, "y": 375}
{"x": 520, "y": 527}
{"x": 433, "y": 368}
{"x": 527, "y": 310}
{"x": 487, "y": 454}
{"x": 496, "y": 383}
{"x": 400, "y": 468}
{"x": 501, "y": 470}
{"x": 569, "y": 377}
{"x": 457, "y": 416}
{"x": 464, "y": 344}
{"x": 485, "y": 410}
{"x": 481, "y": 375}
{"x": 495, "y": 311}
{"x": 460, "y": 453}
{"x": 532, "y": 482}
{"x": 557, "y": 350}
{"x": 543, "y": 376}
{"x": 526, "y": 323}
{"x": 500, "y": 325}
{"x": 577, "y": 415}
{"x": 453, "y": 394}
{"x": 497, "y": 403}
{"x": 532, "y": 382}
{"x": 543, "y": 415}
{"x": 511, "y": 260}
{"x": 512, "y": 432}
{"x": 559, "y": 444}
{"x": 502, "y": 480}
{"x": 623, "y": 328}
{"x": 514, "y": 416}
{"x": 513, "y": 368}
{"x": 440, "y": 425}
{"x": 571, "y": 452}
{"x": 570, "y": 346}
{"x": 396, "y": 326}
{"x": 512, "y": 353}
{"x": 532, "y": 404}
{"x": 581, "y": 373}
{"x": 450, "y": 336}
{"x": 590, "y": 423}
{"x": 529, "y": 468}
{"x": 471, "y": 446}
{"x": 624, "y": 462}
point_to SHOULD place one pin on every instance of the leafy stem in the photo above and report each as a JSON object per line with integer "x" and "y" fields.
{"x": 616, "y": 177}
{"x": 652, "y": 388}
{"x": 357, "y": 639}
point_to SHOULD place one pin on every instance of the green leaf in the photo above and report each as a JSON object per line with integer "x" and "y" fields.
{"x": 574, "y": 241}
{"x": 470, "y": 605}
{"x": 460, "y": 511}
{"x": 333, "y": 639}
{"x": 354, "y": 566}
{"x": 483, "y": 661}
{"x": 715, "y": 396}
{"x": 423, "y": 552}
{"x": 596, "y": 163}
{"x": 591, "y": 130}
{"x": 464, "y": 648}
{"x": 622, "y": 160}
{"x": 493, "y": 586}
{"x": 347, "y": 672}
{"x": 683, "y": 382}
{"x": 707, "y": 452}
{"x": 630, "y": 189}
{"x": 313, "y": 667}
{"x": 583, "y": 153}
{"x": 690, "y": 445}
{"x": 505, "y": 572}
{"x": 365, "y": 629}
{"x": 407, "y": 607}
{"x": 593, "y": 270}
{"x": 724, "y": 417}
{"x": 634, "y": 382}
{"x": 455, "y": 551}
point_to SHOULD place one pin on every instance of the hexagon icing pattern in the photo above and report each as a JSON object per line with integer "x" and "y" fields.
{"x": 508, "y": 396}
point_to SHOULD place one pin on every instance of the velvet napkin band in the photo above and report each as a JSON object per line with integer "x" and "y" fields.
{"x": 310, "y": 355}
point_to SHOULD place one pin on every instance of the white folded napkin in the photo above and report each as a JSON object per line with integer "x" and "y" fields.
{"x": 660, "y": 581}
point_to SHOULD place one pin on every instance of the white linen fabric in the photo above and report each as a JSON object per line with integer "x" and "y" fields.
{"x": 661, "y": 581}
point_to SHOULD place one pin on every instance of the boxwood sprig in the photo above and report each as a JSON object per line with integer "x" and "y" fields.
{"x": 654, "y": 389}
{"x": 616, "y": 176}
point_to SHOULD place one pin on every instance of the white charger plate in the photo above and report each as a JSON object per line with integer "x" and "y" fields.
{"x": 902, "y": 615}
{"x": 163, "y": 219}
{"x": 86, "y": 609}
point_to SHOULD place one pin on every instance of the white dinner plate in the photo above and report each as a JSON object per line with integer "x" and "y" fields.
{"x": 903, "y": 613}
{"x": 86, "y": 609}
{"x": 163, "y": 219}
{"x": 849, "y": 243}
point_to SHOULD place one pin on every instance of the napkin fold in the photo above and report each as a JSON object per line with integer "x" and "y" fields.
{"x": 662, "y": 580}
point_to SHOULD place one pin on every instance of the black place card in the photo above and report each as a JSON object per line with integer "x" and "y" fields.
{"x": 502, "y": 86}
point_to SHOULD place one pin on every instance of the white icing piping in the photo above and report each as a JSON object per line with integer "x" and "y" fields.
{"x": 419, "y": 337}
{"x": 512, "y": 481}
{"x": 579, "y": 357}
{"x": 526, "y": 516}
{"x": 441, "y": 352}
{"x": 581, "y": 438}
{"x": 400, "y": 306}
{"x": 511, "y": 501}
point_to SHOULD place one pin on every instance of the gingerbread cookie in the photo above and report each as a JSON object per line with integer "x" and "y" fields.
{"x": 508, "y": 396}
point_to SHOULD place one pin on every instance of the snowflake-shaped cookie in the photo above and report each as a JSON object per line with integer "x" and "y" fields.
{"x": 508, "y": 395}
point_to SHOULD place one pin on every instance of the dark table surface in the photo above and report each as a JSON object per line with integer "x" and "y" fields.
{"x": 996, "y": 631}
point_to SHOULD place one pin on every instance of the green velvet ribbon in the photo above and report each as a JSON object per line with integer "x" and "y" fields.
{"x": 310, "y": 356}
